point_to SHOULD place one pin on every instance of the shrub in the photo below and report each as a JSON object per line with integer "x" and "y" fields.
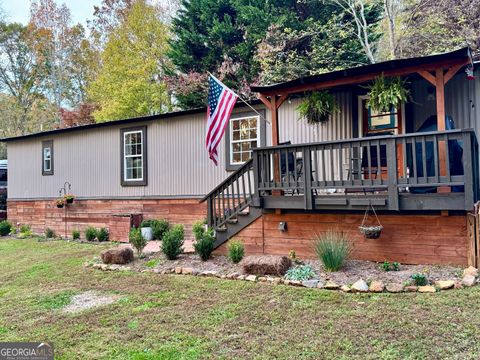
{"x": 300, "y": 273}
{"x": 25, "y": 229}
{"x": 102, "y": 234}
{"x": 5, "y": 228}
{"x": 146, "y": 223}
{"x": 388, "y": 266}
{"x": 76, "y": 235}
{"x": 49, "y": 233}
{"x": 173, "y": 242}
{"x": 236, "y": 251}
{"x": 137, "y": 240}
{"x": 333, "y": 248}
{"x": 205, "y": 244}
{"x": 159, "y": 228}
{"x": 90, "y": 233}
{"x": 419, "y": 279}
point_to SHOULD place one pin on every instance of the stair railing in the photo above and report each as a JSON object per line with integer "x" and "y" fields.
{"x": 231, "y": 196}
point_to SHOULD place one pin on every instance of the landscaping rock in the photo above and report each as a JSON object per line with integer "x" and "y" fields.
{"x": 411, "y": 288}
{"x": 232, "y": 275}
{"x": 320, "y": 284}
{"x": 295, "y": 282}
{"x": 377, "y": 287}
{"x": 330, "y": 285}
{"x": 117, "y": 256}
{"x": 345, "y": 288}
{"x": 262, "y": 279}
{"x": 104, "y": 267}
{"x": 310, "y": 283}
{"x": 251, "y": 278}
{"x": 187, "y": 271}
{"x": 468, "y": 280}
{"x": 458, "y": 285}
{"x": 208, "y": 273}
{"x": 470, "y": 271}
{"x": 445, "y": 284}
{"x": 178, "y": 270}
{"x": 241, "y": 277}
{"x": 394, "y": 288}
{"x": 427, "y": 289}
{"x": 266, "y": 265}
{"x": 360, "y": 286}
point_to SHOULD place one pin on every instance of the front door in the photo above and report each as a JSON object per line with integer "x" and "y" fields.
{"x": 378, "y": 124}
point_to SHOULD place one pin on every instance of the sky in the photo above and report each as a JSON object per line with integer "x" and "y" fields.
{"x": 19, "y": 10}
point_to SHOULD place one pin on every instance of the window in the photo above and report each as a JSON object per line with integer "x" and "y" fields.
{"x": 382, "y": 120}
{"x": 243, "y": 137}
{"x": 134, "y": 145}
{"x": 47, "y": 157}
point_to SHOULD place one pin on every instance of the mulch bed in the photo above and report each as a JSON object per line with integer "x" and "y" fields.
{"x": 352, "y": 271}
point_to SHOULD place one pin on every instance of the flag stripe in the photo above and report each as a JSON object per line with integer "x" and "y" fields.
{"x": 221, "y": 101}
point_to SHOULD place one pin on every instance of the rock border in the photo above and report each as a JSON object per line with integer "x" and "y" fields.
{"x": 470, "y": 278}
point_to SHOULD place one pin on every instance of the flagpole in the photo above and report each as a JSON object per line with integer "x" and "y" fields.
{"x": 241, "y": 99}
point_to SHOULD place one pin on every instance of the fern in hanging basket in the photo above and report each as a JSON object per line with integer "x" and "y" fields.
{"x": 385, "y": 92}
{"x": 318, "y": 107}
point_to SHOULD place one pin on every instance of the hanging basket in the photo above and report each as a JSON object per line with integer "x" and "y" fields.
{"x": 370, "y": 231}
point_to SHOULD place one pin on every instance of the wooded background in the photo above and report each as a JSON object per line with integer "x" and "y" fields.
{"x": 139, "y": 57}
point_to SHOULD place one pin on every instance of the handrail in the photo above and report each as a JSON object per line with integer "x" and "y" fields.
{"x": 390, "y": 164}
{"x": 229, "y": 178}
{"x": 375, "y": 138}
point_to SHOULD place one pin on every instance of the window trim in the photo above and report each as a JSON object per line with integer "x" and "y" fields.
{"x": 261, "y": 135}
{"x": 123, "y": 180}
{"x": 45, "y": 145}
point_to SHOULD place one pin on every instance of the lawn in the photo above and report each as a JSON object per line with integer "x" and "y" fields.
{"x": 184, "y": 317}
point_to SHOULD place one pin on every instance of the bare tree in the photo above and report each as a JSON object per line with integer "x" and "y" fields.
{"x": 356, "y": 8}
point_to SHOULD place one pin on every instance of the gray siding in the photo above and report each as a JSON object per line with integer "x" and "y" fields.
{"x": 178, "y": 165}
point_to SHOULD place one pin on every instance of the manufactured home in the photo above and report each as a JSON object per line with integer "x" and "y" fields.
{"x": 280, "y": 181}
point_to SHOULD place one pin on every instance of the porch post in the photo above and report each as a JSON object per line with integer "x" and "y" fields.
{"x": 442, "y": 148}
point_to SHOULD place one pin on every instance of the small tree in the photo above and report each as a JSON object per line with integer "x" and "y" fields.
{"x": 173, "y": 242}
{"x": 204, "y": 240}
{"x": 137, "y": 240}
{"x": 159, "y": 228}
{"x": 236, "y": 251}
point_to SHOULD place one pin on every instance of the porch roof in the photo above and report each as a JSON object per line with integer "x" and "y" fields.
{"x": 360, "y": 74}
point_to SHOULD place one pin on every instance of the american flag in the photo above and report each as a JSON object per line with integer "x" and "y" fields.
{"x": 221, "y": 101}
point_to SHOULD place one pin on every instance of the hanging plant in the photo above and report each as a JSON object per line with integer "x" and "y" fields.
{"x": 386, "y": 92}
{"x": 318, "y": 107}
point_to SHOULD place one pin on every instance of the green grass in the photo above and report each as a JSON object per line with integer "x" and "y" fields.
{"x": 184, "y": 317}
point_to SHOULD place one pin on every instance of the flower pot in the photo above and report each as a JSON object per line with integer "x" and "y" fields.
{"x": 59, "y": 206}
{"x": 147, "y": 233}
{"x": 371, "y": 232}
{"x": 69, "y": 200}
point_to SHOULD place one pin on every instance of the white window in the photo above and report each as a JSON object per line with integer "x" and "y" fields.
{"x": 47, "y": 159}
{"x": 244, "y": 134}
{"x": 133, "y": 156}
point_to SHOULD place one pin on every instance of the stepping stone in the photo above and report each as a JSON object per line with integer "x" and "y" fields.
{"x": 470, "y": 271}
{"x": 360, "y": 286}
{"x": 427, "y": 289}
{"x": 330, "y": 285}
{"x": 394, "y": 288}
{"x": 377, "y": 287}
{"x": 444, "y": 284}
{"x": 310, "y": 283}
{"x": 468, "y": 280}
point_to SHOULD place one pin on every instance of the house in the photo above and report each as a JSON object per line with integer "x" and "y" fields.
{"x": 280, "y": 180}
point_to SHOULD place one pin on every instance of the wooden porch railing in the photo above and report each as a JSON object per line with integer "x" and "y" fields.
{"x": 231, "y": 196}
{"x": 386, "y": 165}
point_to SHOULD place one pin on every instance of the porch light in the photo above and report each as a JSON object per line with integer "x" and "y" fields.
{"x": 282, "y": 226}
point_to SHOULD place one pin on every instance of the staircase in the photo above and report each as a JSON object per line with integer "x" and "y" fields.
{"x": 230, "y": 206}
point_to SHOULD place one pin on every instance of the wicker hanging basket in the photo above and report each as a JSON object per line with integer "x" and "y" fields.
{"x": 370, "y": 231}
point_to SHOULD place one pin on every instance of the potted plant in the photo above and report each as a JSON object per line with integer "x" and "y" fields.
{"x": 60, "y": 203}
{"x": 146, "y": 229}
{"x": 69, "y": 198}
{"x": 385, "y": 92}
{"x": 318, "y": 107}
